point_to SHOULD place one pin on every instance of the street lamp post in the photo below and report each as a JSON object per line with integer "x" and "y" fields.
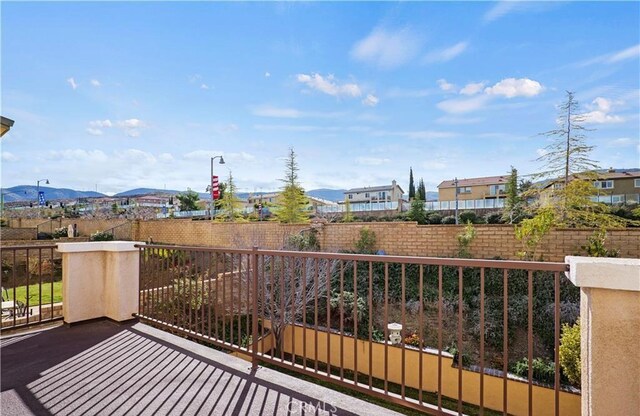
{"x": 46, "y": 181}
{"x": 210, "y": 187}
{"x": 455, "y": 182}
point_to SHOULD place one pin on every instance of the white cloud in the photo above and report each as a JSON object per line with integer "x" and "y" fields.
{"x": 417, "y": 134}
{"x": 612, "y": 57}
{"x": 283, "y": 112}
{"x": 541, "y": 152}
{"x": 601, "y": 112}
{"x": 294, "y": 127}
{"x": 472, "y": 88}
{"x": 371, "y": 161}
{"x": 623, "y": 142}
{"x": 277, "y": 112}
{"x": 446, "y": 54}
{"x": 208, "y": 154}
{"x": 512, "y": 87}
{"x": 410, "y": 93}
{"x": 101, "y": 123}
{"x": 624, "y": 54}
{"x": 94, "y": 132}
{"x": 267, "y": 74}
{"x": 329, "y": 85}
{"x": 80, "y": 155}
{"x": 458, "y": 120}
{"x": 9, "y": 157}
{"x": 204, "y": 87}
{"x": 165, "y": 157}
{"x": 370, "y": 100}
{"x": 387, "y": 49}
{"x": 72, "y": 82}
{"x": 499, "y": 10}
{"x": 96, "y": 83}
{"x": 132, "y": 123}
{"x": 445, "y": 86}
{"x": 434, "y": 165}
{"x": 463, "y": 105}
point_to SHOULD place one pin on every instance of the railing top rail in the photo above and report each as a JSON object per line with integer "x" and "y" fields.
{"x": 32, "y": 246}
{"x": 431, "y": 261}
{"x": 117, "y": 226}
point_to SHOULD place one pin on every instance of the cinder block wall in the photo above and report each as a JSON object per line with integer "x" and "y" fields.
{"x": 398, "y": 238}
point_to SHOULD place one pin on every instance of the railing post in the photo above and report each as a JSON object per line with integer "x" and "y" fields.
{"x": 254, "y": 313}
{"x": 610, "y": 333}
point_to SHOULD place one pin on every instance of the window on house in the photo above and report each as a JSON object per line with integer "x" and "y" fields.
{"x": 496, "y": 189}
{"x": 366, "y": 195}
{"x": 636, "y": 183}
{"x": 464, "y": 190}
{"x": 603, "y": 184}
{"x": 350, "y": 196}
{"x": 382, "y": 195}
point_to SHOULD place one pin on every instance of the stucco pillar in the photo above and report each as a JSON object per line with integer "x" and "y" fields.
{"x": 99, "y": 279}
{"x": 610, "y": 334}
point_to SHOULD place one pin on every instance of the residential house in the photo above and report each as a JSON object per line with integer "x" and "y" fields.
{"x": 5, "y": 125}
{"x": 614, "y": 186}
{"x": 490, "y": 187}
{"x": 373, "y": 194}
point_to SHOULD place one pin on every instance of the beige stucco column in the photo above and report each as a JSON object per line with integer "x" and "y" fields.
{"x": 610, "y": 334}
{"x": 99, "y": 279}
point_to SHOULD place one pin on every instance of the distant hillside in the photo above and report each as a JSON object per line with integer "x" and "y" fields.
{"x": 328, "y": 194}
{"x": 149, "y": 191}
{"x": 30, "y": 193}
{"x": 432, "y": 196}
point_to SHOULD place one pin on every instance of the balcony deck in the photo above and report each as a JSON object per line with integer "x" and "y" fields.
{"x": 117, "y": 369}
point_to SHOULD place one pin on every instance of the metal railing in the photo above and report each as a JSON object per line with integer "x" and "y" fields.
{"x": 31, "y": 285}
{"x": 328, "y": 315}
{"x": 359, "y": 207}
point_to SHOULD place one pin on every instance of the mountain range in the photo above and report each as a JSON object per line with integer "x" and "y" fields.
{"x": 30, "y": 192}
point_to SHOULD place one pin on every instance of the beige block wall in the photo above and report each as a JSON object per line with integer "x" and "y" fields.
{"x": 397, "y": 238}
{"x": 17, "y": 233}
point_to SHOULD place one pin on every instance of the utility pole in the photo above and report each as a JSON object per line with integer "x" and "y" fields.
{"x": 455, "y": 182}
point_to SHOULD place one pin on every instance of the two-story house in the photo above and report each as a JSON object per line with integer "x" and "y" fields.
{"x": 384, "y": 193}
{"x": 490, "y": 187}
{"x": 614, "y": 186}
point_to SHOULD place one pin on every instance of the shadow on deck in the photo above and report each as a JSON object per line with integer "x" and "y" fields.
{"x": 107, "y": 368}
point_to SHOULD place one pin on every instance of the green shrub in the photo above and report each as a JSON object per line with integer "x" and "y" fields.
{"x": 101, "y": 236}
{"x": 434, "y": 218}
{"x": 595, "y": 245}
{"x": 417, "y": 212}
{"x": 468, "y": 216}
{"x": 465, "y": 238}
{"x": 543, "y": 371}
{"x": 449, "y": 219}
{"x": 60, "y": 232}
{"x": 494, "y": 218}
{"x": 366, "y": 244}
{"x": 570, "y": 352}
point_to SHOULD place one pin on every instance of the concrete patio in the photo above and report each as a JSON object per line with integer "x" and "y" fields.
{"x": 133, "y": 369}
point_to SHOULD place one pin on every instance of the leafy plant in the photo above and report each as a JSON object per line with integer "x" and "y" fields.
{"x": 596, "y": 245}
{"x": 434, "y": 218}
{"x": 543, "y": 371}
{"x": 101, "y": 236}
{"x": 413, "y": 340}
{"x": 417, "y": 212}
{"x": 532, "y": 230}
{"x": 570, "y": 352}
{"x": 348, "y": 215}
{"x": 292, "y": 204}
{"x": 449, "y": 219}
{"x": 468, "y": 216}
{"x": 60, "y": 232}
{"x": 494, "y": 218}
{"x": 188, "y": 200}
{"x": 304, "y": 241}
{"x": 367, "y": 242}
{"x": 465, "y": 238}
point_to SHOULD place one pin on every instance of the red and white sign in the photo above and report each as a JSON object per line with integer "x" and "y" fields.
{"x": 215, "y": 188}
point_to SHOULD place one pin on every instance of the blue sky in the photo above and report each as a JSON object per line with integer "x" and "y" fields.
{"x": 124, "y": 95}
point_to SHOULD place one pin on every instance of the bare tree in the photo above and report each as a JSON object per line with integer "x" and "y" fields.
{"x": 568, "y": 153}
{"x": 289, "y": 286}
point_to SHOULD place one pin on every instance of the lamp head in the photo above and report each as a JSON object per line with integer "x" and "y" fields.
{"x": 221, "y": 160}
{"x": 47, "y": 182}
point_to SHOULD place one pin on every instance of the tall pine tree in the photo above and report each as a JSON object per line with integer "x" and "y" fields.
{"x": 412, "y": 187}
{"x": 421, "y": 193}
{"x": 292, "y": 203}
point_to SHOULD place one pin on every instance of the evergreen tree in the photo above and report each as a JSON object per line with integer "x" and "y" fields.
{"x": 292, "y": 203}
{"x": 229, "y": 203}
{"x": 348, "y": 215}
{"x": 568, "y": 153}
{"x": 417, "y": 211}
{"x": 188, "y": 200}
{"x": 513, "y": 202}
{"x": 421, "y": 193}
{"x": 412, "y": 188}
